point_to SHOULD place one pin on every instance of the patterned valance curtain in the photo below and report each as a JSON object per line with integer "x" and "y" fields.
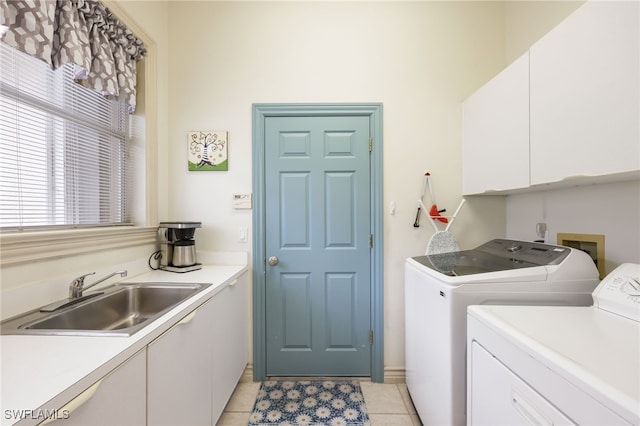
{"x": 81, "y": 32}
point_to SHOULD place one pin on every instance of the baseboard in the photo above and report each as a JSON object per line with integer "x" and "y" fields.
{"x": 247, "y": 375}
{"x": 392, "y": 375}
{"x": 395, "y": 375}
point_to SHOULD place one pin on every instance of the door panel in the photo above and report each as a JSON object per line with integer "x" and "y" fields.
{"x": 340, "y": 308}
{"x": 294, "y": 210}
{"x": 318, "y": 224}
{"x": 339, "y": 195}
{"x": 295, "y": 293}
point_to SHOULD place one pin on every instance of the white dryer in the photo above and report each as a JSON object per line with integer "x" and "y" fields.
{"x": 558, "y": 365}
{"x": 438, "y": 289}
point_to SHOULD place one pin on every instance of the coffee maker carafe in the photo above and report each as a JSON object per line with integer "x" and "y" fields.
{"x": 177, "y": 246}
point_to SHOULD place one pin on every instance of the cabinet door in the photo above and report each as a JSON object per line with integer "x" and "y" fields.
{"x": 585, "y": 94}
{"x": 231, "y": 336}
{"x": 179, "y": 372}
{"x": 118, "y": 399}
{"x": 495, "y": 133}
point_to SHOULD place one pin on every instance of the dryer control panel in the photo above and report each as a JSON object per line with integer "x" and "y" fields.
{"x": 619, "y": 292}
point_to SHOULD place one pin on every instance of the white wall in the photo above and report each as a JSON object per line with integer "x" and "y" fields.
{"x": 420, "y": 59}
{"x": 612, "y": 210}
{"x": 528, "y": 21}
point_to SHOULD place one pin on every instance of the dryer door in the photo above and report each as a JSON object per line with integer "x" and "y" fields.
{"x": 499, "y": 397}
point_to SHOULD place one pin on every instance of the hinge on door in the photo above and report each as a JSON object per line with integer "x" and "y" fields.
{"x": 370, "y": 240}
{"x": 370, "y": 144}
{"x": 371, "y": 337}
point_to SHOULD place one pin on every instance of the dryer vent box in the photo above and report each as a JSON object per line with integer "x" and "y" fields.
{"x": 592, "y": 244}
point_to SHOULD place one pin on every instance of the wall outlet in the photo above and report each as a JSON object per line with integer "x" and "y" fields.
{"x": 542, "y": 233}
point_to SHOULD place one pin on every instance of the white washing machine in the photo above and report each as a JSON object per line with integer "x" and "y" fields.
{"x": 558, "y": 365}
{"x": 438, "y": 289}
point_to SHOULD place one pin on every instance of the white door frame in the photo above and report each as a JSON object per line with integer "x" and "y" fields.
{"x": 260, "y": 113}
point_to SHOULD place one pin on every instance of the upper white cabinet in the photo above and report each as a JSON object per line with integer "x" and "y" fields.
{"x": 495, "y": 151}
{"x": 567, "y": 111}
{"x": 585, "y": 86}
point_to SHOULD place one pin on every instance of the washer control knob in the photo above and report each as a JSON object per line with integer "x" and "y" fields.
{"x": 514, "y": 248}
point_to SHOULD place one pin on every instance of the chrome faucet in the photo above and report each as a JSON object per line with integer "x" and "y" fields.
{"x": 77, "y": 286}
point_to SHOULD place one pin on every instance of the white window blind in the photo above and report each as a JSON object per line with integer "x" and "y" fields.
{"x": 63, "y": 151}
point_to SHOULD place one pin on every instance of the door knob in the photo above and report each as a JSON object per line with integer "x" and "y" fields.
{"x": 273, "y": 261}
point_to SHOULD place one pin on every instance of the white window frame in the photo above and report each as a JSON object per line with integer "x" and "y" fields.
{"x": 36, "y": 245}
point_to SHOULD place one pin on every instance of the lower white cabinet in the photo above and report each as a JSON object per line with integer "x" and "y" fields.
{"x": 230, "y": 331}
{"x": 118, "y": 399}
{"x": 194, "y": 367}
{"x": 179, "y": 365}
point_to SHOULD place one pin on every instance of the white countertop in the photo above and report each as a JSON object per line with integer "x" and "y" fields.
{"x": 46, "y": 372}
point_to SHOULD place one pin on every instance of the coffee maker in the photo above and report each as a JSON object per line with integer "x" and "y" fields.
{"x": 177, "y": 246}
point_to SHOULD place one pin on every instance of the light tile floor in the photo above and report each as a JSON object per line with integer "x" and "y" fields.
{"x": 387, "y": 404}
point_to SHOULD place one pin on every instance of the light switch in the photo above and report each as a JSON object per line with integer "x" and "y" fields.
{"x": 242, "y": 234}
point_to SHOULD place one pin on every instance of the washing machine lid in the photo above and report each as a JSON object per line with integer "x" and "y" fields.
{"x": 493, "y": 256}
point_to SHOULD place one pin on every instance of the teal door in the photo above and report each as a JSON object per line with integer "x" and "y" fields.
{"x": 317, "y": 246}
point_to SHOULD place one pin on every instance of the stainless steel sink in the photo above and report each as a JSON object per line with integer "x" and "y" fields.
{"x": 121, "y": 310}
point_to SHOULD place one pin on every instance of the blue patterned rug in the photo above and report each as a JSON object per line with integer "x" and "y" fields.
{"x": 327, "y": 402}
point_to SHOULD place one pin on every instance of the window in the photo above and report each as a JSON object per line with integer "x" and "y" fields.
{"x": 64, "y": 152}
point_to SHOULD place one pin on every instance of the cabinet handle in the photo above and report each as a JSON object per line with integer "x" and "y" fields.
{"x": 76, "y": 402}
{"x": 188, "y": 318}
{"x": 234, "y": 282}
{"x": 528, "y": 411}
